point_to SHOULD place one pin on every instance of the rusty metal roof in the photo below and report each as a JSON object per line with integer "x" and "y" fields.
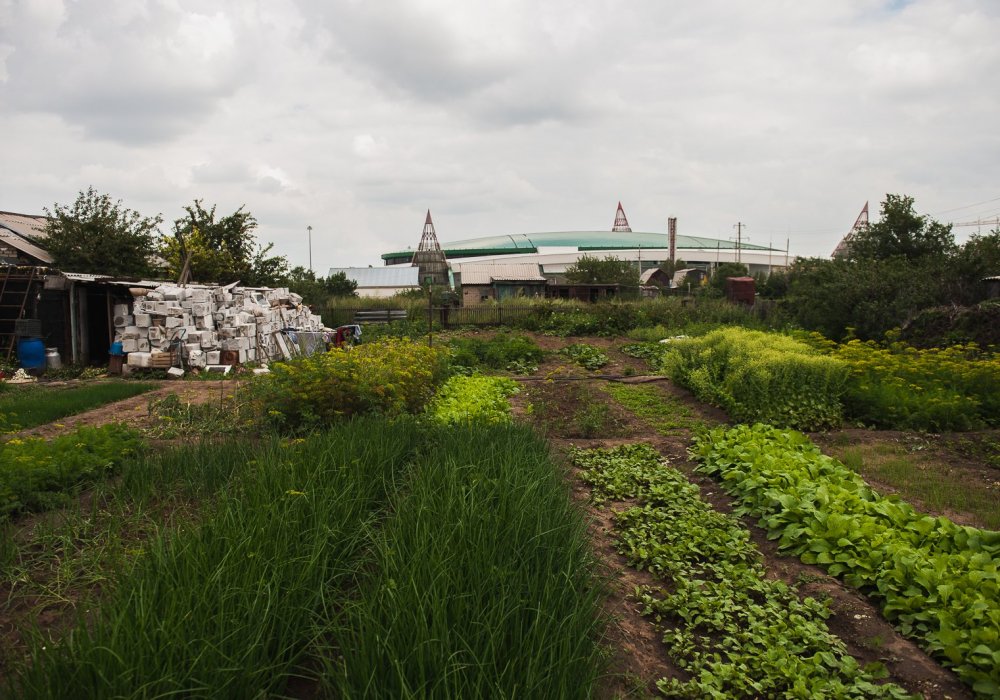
{"x": 487, "y": 273}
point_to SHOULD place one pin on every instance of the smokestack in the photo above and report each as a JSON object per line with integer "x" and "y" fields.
{"x": 672, "y": 235}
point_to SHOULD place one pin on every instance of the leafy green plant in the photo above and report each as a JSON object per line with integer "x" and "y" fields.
{"x": 38, "y": 474}
{"x": 737, "y": 633}
{"x": 585, "y": 355}
{"x": 938, "y": 582}
{"x": 517, "y": 353}
{"x": 757, "y": 376}
{"x": 477, "y": 398}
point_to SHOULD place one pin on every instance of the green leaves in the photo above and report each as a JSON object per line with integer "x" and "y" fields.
{"x": 473, "y": 399}
{"x": 585, "y": 355}
{"x": 757, "y": 376}
{"x": 735, "y": 632}
{"x": 937, "y": 581}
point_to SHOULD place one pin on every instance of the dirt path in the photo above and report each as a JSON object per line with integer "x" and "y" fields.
{"x": 135, "y": 411}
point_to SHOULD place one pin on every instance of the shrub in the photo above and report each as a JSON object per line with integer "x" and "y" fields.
{"x": 899, "y": 386}
{"x": 760, "y": 377}
{"x": 387, "y": 377}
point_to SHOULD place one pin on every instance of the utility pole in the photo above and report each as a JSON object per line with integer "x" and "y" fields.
{"x": 739, "y": 240}
{"x": 310, "y": 230}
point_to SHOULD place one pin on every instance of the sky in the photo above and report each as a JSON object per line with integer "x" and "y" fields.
{"x": 355, "y": 117}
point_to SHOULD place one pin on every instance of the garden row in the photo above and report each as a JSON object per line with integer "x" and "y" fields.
{"x": 809, "y": 383}
{"x": 938, "y": 582}
{"x": 733, "y": 631}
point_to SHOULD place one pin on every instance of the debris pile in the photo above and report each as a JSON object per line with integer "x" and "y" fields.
{"x": 209, "y": 325}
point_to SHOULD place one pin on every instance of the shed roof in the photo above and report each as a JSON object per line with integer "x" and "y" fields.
{"x": 394, "y": 276}
{"x": 19, "y": 230}
{"x": 487, "y": 273}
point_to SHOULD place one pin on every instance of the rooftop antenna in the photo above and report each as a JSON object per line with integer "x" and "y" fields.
{"x": 621, "y": 223}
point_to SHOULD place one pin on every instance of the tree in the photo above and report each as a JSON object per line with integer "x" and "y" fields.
{"x": 316, "y": 291}
{"x": 222, "y": 250}
{"x": 717, "y": 283}
{"x": 610, "y": 270}
{"x": 901, "y": 232}
{"x": 98, "y": 235}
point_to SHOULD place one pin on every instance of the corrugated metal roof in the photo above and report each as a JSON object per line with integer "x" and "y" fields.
{"x": 580, "y": 240}
{"x": 21, "y": 244}
{"x": 487, "y": 273}
{"x": 32, "y": 225}
{"x": 394, "y": 276}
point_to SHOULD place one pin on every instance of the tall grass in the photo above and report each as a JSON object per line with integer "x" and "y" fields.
{"x": 229, "y": 607}
{"x": 26, "y": 407}
{"x": 482, "y": 586}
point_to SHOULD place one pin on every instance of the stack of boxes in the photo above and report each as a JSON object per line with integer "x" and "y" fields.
{"x": 208, "y": 325}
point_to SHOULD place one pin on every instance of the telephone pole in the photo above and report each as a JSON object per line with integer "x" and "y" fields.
{"x": 739, "y": 240}
{"x": 310, "y": 230}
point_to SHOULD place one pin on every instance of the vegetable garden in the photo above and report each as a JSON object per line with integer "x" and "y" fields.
{"x": 509, "y": 514}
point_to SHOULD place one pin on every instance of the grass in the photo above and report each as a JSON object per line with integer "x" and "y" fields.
{"x": 426, "y": 561}
{"x": 228, "y": 608}
{"x": 482, "y": 584}
{"x": 666, "y": 413}
{"x": 927, "y": 482}
{"x": 27, "y": 407}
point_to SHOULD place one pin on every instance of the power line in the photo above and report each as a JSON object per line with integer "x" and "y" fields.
{"x": 967, "y": 206}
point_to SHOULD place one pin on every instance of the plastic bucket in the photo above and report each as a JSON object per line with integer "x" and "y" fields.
{"x": 31, "y": 353}
{"x": 116, "y": 349}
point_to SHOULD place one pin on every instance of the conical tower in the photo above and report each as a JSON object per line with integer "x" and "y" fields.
{"x": 843, "y": 248}
{"x": 621, "y": 223}
{"x": 429, "y": 257}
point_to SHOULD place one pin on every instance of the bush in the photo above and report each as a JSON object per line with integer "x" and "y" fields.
{"x": 899, "y": 386}
{"x": 388, "y": 377}
{"x": 760, "y": 377}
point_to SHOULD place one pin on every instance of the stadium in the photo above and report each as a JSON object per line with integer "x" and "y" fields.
{"x": 555, "y": 251}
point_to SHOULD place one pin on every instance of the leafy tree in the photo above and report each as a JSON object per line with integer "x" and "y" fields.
{"x": 671, "y": 267}
{"x": 610, "y": 270}
{"x": 977, "y": 259}
{"x": 316, "y": 291}
{"x": 901, "y": 232}
{"x": 98, "y": 235}
{"x": 717, "y": 282}
{"x": 222, "y": 250}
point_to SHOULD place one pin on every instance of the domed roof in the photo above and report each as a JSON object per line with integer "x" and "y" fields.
{"x": 521, "y": 243}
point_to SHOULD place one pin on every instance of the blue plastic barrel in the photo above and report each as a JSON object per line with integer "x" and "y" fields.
{"x": 31, "y": 353}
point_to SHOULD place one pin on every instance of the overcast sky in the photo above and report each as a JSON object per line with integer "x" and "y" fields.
{"x": 356, "y": 116}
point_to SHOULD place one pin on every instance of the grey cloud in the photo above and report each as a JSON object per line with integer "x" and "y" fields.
{"x": 132, "y": 76}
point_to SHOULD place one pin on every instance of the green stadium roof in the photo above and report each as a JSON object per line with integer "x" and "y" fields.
{"x": 521, "y": 243}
